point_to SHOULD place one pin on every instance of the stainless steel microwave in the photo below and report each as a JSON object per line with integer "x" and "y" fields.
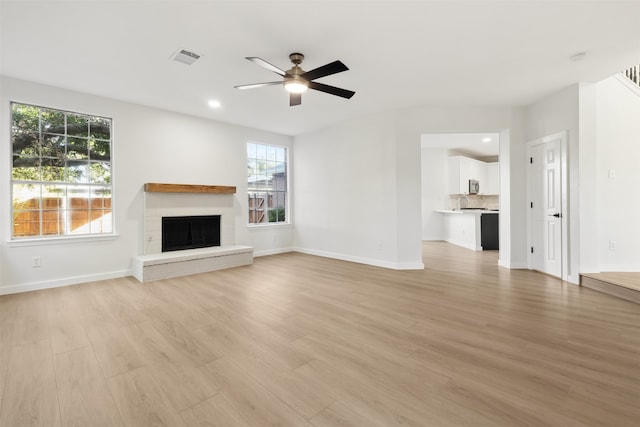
{"x": 474, "y": 186}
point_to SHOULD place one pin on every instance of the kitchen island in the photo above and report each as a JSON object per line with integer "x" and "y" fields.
{"x": 464, "y": 228}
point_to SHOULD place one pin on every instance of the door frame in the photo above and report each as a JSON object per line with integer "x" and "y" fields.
{"x": 564, "y": 196}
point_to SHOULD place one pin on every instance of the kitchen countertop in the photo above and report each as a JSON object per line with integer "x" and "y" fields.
{"x": 467, "y": 211}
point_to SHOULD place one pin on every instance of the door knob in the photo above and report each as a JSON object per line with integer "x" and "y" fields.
{"x": 557, "y": 215}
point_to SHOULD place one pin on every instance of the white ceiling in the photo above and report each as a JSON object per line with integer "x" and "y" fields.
{"x": 476, "y": 145}
{"x": 400, "y": 54}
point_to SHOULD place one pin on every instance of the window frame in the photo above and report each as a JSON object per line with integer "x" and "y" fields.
{"x": 287, "y": 192}
{"x": 87, "y": 187}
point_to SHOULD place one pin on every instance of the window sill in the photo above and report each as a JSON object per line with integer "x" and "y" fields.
{"x": 266, "y": 226}
{"x": 60, "y": 240}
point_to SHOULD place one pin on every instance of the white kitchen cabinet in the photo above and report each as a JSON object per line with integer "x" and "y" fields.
{"x": 493, "y": 179}
{"x": 461, "y": 170}
{"x": 454, "y": 175}
{"x": 464, "y": 228}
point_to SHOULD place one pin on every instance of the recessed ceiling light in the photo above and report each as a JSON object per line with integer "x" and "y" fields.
{"x": 214, "y": 104}
{"x": 487, "y": 139}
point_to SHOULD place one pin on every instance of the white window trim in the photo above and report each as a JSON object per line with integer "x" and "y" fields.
{"x": 66, "y": 238}
{"x": 40, "y": 241}
{"x": 270, "y": 225}
{"x": 287, "y": 222}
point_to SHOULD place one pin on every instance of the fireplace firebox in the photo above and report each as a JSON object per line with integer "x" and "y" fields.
{"x": 190, "y": 232}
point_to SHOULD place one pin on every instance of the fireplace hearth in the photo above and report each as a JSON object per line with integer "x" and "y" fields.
{"x": 190, "y": 232}
{"x": 206, "y": 249}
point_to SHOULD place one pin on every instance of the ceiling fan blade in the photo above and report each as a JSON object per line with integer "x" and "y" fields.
{"x": 255, "y": 85}
{"x": 331, "y": 89}
{"x": 325, "y": 70}
{"x": 264, "y": 64}
{"x": 295, "y": 99}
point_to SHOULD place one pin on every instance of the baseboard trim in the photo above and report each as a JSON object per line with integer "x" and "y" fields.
{"x": 513, "y": 265}
{"x": 273, "y": 252}
{"x": 464, "y": 245}
{"x": 78, "y": 280}
{"x": 67, "y": 281}
{"x": 519, "y": 265}
{"x": 361, "y": 260}
{"x": 624, "y": 268}
{"x": 433, "y": 238}
{"x": 409, "y": 266}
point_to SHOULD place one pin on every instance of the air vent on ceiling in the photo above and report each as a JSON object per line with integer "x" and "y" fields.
{"x": 185, "y": 57}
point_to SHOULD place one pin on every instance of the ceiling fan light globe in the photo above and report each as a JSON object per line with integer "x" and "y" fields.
{"x": 296, "y": 86}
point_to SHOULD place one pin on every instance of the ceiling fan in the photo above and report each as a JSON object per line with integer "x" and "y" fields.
{"x": 296, "y": 80}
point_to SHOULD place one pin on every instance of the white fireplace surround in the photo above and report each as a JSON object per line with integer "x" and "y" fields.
{"x": 156, "y": 265}
{"x": 159, "y": 205}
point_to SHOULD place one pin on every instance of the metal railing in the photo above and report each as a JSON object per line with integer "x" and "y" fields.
{"x": 633, "y": 74}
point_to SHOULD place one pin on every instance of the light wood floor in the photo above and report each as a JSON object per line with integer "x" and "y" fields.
{"x": 297, "y": 340}
{"x": 626, "y": 279}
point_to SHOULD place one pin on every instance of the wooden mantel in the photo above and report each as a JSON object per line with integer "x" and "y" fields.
{"x": 154, "y": 187}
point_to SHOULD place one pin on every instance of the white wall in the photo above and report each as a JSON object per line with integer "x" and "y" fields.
{"x": 435, "y": 192}
{"x": 390, "y": 235}
{"x": 512, "y": 219}
{"x": 568, "y": 109}
{"x": 618, "y": 197}
{"x": 555, "y": 113}
{"x": 414, "y": 122}
{"x": 345, "y": 194}
{"x": 588, "y": 156}
{"x": 149, "y": 145}
{"x": 603, "y": 131}
{"x": 357, "y": 192}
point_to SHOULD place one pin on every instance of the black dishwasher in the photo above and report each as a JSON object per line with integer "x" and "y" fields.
{"x": 489, "y": 232}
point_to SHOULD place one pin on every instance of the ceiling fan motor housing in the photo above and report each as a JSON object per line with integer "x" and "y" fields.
{"x": 294, "y": 75}
{"x": 296, "y": 58}
{"x": 295, "y": 72}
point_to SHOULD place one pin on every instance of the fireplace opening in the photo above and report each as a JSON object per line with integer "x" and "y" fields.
{"x": 190, "y": 232}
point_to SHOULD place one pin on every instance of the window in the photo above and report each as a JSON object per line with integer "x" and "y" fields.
{"x": 61, "y": 173}
{"x": 267, "y": 183}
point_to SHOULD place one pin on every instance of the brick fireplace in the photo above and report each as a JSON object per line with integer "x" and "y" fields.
{"x": 184, "y": 200}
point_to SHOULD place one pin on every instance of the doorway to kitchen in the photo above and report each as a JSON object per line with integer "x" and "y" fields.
{"x": 461, "y": 188}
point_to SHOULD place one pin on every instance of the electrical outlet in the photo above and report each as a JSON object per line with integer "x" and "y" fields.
{"x": 35, "y": 262}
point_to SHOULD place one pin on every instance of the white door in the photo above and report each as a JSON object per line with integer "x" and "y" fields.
{"x": 545, "y": 187}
